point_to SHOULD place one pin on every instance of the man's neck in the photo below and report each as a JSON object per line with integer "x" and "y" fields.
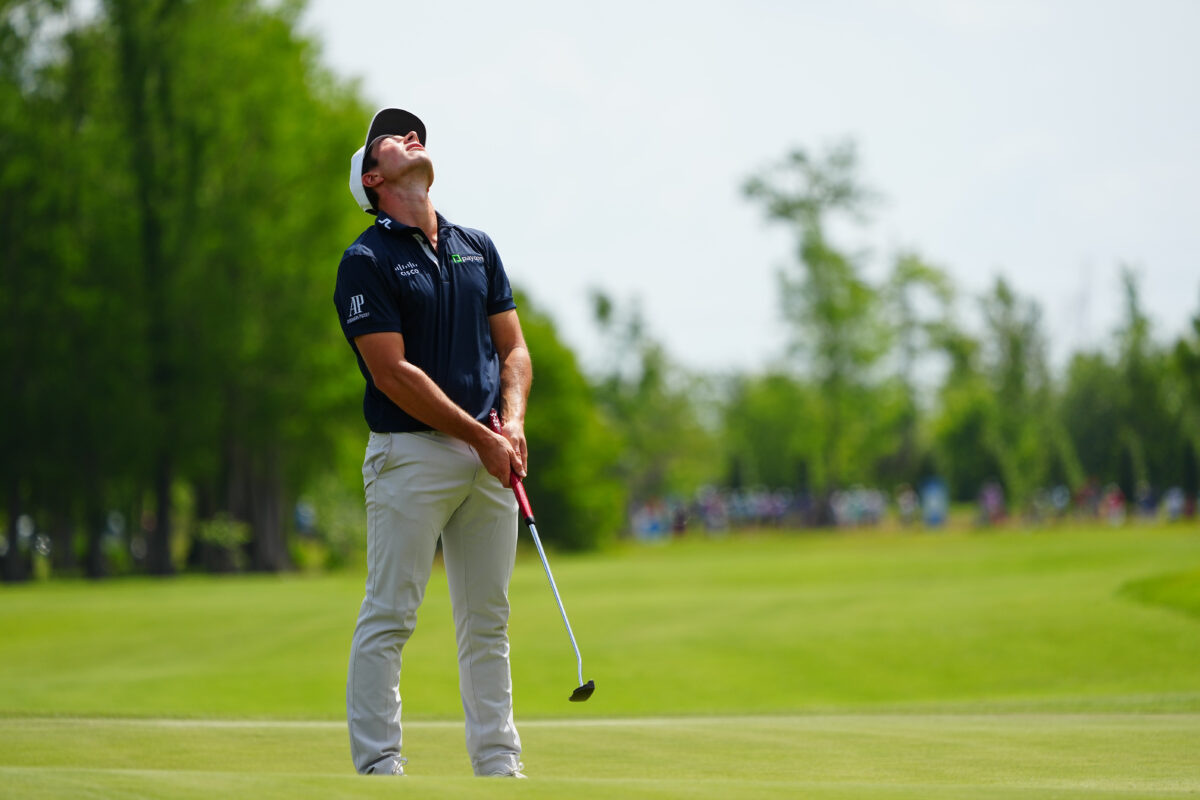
{"x": 412, "y": 207}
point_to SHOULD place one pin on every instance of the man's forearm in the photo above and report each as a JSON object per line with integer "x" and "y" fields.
{"x": 410, "y": 388}
{"x": 418, "y": 396}
{"x": 516, "y": 376}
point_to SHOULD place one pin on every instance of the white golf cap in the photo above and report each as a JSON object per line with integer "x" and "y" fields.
{"x": 386, "y": 122}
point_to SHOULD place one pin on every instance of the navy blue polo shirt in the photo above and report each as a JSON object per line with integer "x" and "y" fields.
{"x": 390, "y": 279}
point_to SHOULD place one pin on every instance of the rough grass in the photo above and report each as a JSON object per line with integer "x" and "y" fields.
{"x": 1009, "y": 664}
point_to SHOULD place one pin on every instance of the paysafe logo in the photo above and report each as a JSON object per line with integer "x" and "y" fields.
{"x": 457, "y": 259}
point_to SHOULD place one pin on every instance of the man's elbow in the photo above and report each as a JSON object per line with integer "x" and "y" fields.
{"x": 395, "y": 378}
{"x": 516, "y": 355}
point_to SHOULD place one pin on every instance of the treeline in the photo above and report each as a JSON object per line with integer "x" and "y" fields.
{"x": 178, "y": 394}
{"x": 171, "y": 201}
{"x": 856, "y": 403}
{"x": 172, "y": 210}
{"x": 883, "y": 384}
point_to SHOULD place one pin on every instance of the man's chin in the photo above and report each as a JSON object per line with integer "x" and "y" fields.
{"x": 418, "y": 168}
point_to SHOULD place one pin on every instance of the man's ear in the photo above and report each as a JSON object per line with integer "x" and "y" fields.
{"x": 372, "y": 179}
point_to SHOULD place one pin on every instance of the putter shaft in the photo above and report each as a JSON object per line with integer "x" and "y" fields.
{"x": 550, "y": 576}
{"x": 585, "y": 689}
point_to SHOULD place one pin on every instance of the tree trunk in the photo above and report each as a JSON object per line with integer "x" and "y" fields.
{"x": 159, "y": 550}
{"x": 14, "y": 559}
{"x": 96, "y": 561}
{"x": 143, "y": 78}
{"x": 269, "y": 544}
{"x": 63, "y": 557}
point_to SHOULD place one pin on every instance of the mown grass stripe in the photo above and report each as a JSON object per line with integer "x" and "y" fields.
{"x": 767, "y": 720}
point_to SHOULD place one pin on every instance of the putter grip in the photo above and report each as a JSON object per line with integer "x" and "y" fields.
{"x": 517, "y": 487}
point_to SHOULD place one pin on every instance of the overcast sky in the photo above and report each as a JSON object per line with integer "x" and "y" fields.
{"x": 605, "y": 144}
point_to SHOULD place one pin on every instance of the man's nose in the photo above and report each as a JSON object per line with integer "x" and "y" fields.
{"x": 411, "y": 136}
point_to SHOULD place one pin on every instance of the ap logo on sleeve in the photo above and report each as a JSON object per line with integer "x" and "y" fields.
{"x": 356, "y": 309}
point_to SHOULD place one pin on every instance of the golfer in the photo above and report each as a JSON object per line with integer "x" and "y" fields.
{"x": 429, "y": 314}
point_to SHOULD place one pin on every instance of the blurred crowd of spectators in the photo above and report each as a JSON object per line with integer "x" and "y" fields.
{"x": 715, "y": 509}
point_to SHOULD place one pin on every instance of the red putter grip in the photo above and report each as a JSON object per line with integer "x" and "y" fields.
{"x": 517, "y": 487}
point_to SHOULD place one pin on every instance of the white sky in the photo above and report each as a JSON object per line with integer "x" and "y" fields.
{"x": 605, "y": 144}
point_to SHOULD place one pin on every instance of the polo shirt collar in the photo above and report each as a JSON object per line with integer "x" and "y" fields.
{"x": 387, "y": 223}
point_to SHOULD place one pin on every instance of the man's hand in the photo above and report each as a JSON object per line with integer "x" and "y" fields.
{"x": 514, "y": 431}
{"x": 500, "y": 458}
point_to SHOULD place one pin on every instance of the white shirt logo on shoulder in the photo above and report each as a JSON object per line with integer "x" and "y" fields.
{"x": 356, "y": 309}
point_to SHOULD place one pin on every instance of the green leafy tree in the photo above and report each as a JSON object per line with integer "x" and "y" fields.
{"x": 773, "y": 432}
{"x": 244, "y": 360}
{"x": 654, "y": 409}
{"x": 1015, "y": 364}
{"x": 1024, "y": 435}
{"x": 71, "y": 410}
{"x": 1131, "y": 414}
{"x": 963, "y": 432}
{"x": 838, "y": 331}
{"x": 1149, "y": 430}
{"x": 1090, "y": 410}
{"x": 26, "y": 104}
{"x": 177, "y": 188}
{"x": 1186, "y": 363}
{"x": 918, "y": 300}
{"x": 574, "y": 477}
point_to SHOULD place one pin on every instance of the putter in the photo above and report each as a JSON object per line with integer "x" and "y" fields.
{"x": 585, "y": 689}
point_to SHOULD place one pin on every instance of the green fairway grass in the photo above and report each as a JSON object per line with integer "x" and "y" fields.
{"x": 824, "y": 756}
{"x": 1053, "y": 663}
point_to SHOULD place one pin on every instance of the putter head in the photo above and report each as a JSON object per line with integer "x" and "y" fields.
{"x": 583, "y": 692}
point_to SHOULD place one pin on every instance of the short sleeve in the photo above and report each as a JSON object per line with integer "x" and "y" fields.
{"x": 500, "y": 296}
{"x": 365, "y": 302}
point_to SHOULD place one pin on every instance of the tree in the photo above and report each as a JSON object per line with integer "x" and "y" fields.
{"x": 574, "y": 475}
{"x": 838, "y": 335}
{"x": 772, "y": 432}
{"x": 193, "y": 290}
{"x": 996, "y": 415}
{"x": 23, "y": 206}
{"x": 918, "y": 300}
{"x": 1090, "y": 410}
{"x": 1186, "y": 363}
{"x": 72, "y": 359}
{"x": 1132, "y": 412}
{"x": 1015, "y": 366}
{"x": 652, "y": 407}
{"x": 1024, "y": 435}
{"x": 1148, "y": 428}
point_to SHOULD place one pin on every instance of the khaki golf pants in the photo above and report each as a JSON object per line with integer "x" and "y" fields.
{"x": 420, "y": 486}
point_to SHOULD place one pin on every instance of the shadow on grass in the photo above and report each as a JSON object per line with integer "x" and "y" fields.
{"x": 1179, "y": 591}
